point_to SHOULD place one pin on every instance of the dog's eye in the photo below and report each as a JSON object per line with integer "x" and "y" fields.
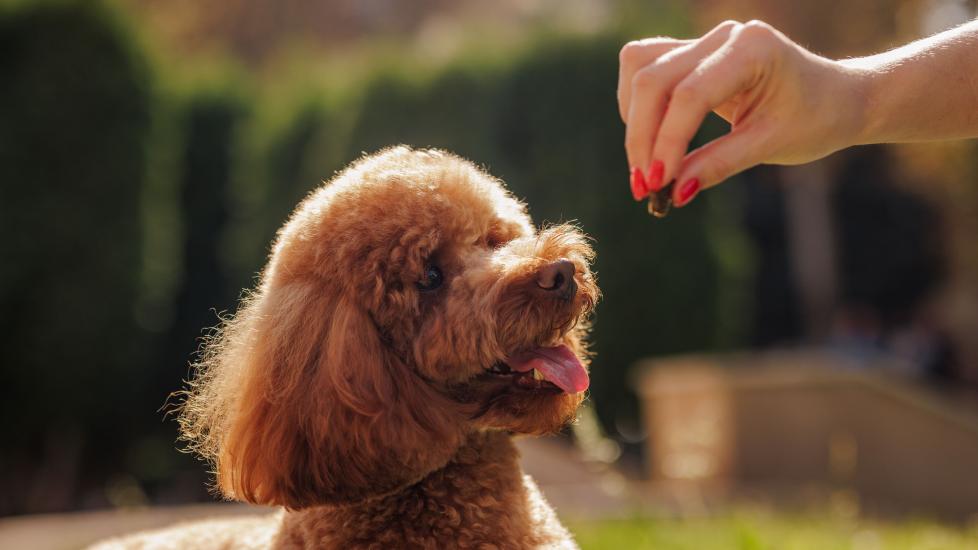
{"x": 433, "y": 278}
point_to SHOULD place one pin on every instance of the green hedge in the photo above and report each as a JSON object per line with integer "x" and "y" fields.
{"x": 75, "y": 111}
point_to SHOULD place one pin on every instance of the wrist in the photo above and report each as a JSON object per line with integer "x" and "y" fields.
{"x": 862, "y": 86}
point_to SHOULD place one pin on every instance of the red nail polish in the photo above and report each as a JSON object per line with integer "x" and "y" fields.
{"x": 688, "y": 191}
{"x": 639, "y": 188}
{"x": 655, "y": 175}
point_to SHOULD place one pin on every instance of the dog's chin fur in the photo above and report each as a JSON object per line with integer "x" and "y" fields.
{"x": 501, "y": 404}
{"x": 342, "y": 380}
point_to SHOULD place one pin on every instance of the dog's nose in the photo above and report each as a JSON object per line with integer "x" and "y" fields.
{"x": 556, "y": 276}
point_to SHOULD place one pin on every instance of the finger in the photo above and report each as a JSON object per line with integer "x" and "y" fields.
{"x": 719, "y": 77}
{"x": 709, "y": 165}
{"x": 651, "y": 87}
{"x": 635, "y": 55}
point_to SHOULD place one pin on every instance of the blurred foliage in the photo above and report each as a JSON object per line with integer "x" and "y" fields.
{"x": 764, "y": 531}
{"x": 75, "y": 108}
{"x": 135, "y": 205}
{"x": 909, "y": 259}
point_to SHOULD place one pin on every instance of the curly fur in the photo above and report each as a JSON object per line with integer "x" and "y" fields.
{"x": 361, "y": 404}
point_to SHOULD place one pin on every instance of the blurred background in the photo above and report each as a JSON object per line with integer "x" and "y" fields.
{"x": 801, "y": 338}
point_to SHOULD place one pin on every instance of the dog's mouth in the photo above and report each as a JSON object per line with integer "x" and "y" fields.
{"x": 546, "y": 368}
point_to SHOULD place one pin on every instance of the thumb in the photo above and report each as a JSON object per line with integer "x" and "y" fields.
{"x": 718, "y": 160}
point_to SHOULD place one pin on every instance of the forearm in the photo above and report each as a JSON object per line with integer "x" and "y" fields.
{"x": 926, "y": 90}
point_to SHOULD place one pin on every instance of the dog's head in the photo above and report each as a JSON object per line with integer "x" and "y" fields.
{"x": 405, "y": 304}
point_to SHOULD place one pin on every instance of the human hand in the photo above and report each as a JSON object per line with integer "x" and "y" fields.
{"x": 785, "y": 105}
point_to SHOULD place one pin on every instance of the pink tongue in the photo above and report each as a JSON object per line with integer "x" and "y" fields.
{"x": 558, "y": 365}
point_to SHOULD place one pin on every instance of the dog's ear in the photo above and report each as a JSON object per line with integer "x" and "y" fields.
{"x": 321, "y": 412}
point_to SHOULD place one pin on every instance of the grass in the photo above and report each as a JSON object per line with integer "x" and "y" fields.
{"x": 754, "y": 531}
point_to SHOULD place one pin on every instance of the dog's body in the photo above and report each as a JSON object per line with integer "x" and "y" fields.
{"x": 409, "y": 321}
{"x": 481, "y": 499}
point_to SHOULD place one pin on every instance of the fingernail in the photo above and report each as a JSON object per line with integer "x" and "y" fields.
{"x": 655, "y": 175}
{"x": 639, "y": 189}
{"x": 687, "y": 191}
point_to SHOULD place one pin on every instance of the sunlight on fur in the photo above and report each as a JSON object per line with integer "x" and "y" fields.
{"x": 410, "y": 319}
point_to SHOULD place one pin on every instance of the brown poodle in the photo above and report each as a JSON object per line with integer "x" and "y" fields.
{"x": 409, "y": 321}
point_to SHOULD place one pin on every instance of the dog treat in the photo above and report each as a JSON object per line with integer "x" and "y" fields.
{"x": 660, "y": 201}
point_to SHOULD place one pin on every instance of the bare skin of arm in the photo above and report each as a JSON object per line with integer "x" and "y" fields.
{"x": 785, "y": 104}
